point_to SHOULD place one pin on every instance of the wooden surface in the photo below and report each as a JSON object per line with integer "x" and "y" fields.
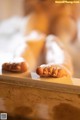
{"x": 33, "y": 76}
{"x": 69, "y": 85}
{"x": 28, "y": 97}
{"x": 25, "y": 102}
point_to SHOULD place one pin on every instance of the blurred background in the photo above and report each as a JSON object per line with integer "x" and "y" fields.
{"x": 62, "y": 20}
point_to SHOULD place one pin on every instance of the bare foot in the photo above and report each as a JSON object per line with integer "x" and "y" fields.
{"x": 55, "y": 71}
{"x": 15, "y": 67}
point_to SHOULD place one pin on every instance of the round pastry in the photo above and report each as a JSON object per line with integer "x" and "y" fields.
{"x": 58, "y": 61}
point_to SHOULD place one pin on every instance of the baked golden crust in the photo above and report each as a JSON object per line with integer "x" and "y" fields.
{"x": 15, "y": 67}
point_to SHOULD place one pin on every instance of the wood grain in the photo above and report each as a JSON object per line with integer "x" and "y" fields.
{"x": 33, "y": 103}
{"x": 29, "y": 97}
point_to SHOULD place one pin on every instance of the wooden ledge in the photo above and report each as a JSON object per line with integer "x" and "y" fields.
{"x": 69, "y": 85}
